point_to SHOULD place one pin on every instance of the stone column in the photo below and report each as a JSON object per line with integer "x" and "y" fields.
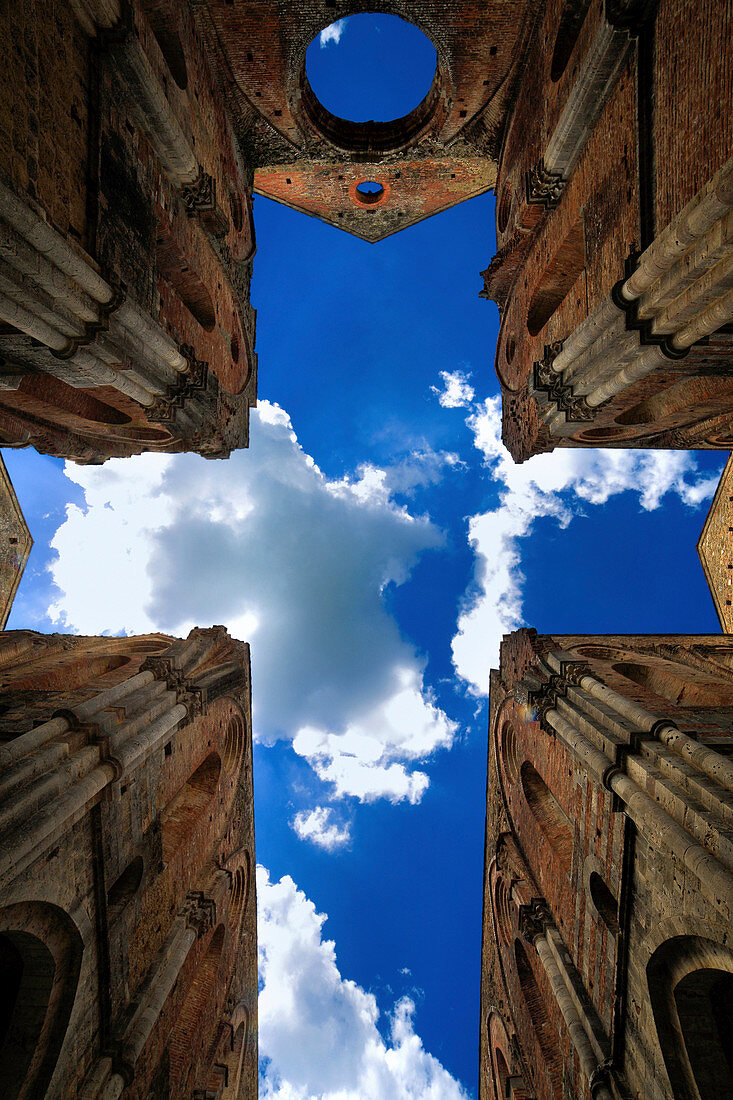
{"x": 537, "y": 928}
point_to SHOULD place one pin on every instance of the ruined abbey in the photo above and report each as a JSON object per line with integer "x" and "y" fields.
{"x": 134, "y": 136}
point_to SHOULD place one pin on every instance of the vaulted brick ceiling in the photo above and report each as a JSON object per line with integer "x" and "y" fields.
{"x": 440, "y": 154}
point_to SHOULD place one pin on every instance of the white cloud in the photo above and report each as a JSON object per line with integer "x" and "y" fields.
{"x": 318, "y": 826}
{"x": 333, "y": 34}
{"x": 317, "y": 1030}
{"x": 361, "y": 761}
{"x": 268, "y": 545}
{"x": 457, "y": 393}
{"x": 557, "y": 485}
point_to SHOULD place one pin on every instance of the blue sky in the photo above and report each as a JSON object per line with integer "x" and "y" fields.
{"x": 373, "y": 544}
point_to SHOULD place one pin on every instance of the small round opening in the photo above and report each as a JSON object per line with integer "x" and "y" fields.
{"x": 369, "y": 191}
{"x": 370, "y": 67}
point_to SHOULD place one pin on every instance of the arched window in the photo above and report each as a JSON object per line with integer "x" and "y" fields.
{"x": 240, "y": 890}
{"x": 558, "y": 277}
{"x": 186, "y": 808}
{"x": 691, "y": 990}
{"x": 534, "y": 1002}
{"x": 69, "y": 675}
{"x": 554, "y": 823}
{"x": 510, "y": 752}
{"x": 233, "y": 746}
{"x": 234, "y": 1060}
{"x": 184, "y": 280}
{"x": 40, "y": 958}
{"x": 704, "y": 1002}
{"x": 193, "y": 1026}
{"x": 568, "y": 31}
{"x": 503, "y": 1077}
{"x": 604, "y": 901}
{"x": 503, "y": 908}
{"x": 504, "y": 208}
{"x": 161, "y": 16}
{"x": 692, "y": 688}
{"x": 124, "y": 888}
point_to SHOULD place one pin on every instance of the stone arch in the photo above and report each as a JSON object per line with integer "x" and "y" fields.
{"x": 72, "y": 406}
{"x": 241, "y": 884}
{"x": 181, "y": 815}
{"x": 691, "y": 990}
{"x": 557, "y": 279}
{"x": 501, "y": 896}
{"x": 235, "y": 1052}
{"x": 551, "y": 818}
{"x": 506, "y": 1074}
{"x": 40, "y": 961}
{"x": 233, "y": 742}
{"x": 510, "y": 757}
{"x": 687, "y": 401}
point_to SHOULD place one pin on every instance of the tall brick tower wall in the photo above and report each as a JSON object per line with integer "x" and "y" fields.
{"x": 126, "y": 236}
{"x": 614, "y": 229}
{"x": 607, "y": 968}
{"x": 127, "y": 895}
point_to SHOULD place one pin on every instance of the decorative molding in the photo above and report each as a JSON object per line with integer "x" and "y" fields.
{"x": 192, "y": 698}
{"x": 546, "y": 380}
{"x": 534, "y": 919}
{"x": 200, "y": 912}
{"x": 199, "y": 199}
{"x": 543, "y": 187}
{"x": 573, "y": 672}
{"x": 193, "y": 382}
{"x": 601, "y": 1077}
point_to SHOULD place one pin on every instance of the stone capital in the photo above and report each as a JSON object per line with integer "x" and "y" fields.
{"x": 543, "y": 187}
{"x": 534, "y": 919}
{"x": 199, "y": 912}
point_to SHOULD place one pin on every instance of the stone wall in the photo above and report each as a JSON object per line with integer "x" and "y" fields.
{"x": 608, "y": 888}
{"x": 128, "y": 237}
{"x": 128, "y": 857}
{"x": 616, "y": 128}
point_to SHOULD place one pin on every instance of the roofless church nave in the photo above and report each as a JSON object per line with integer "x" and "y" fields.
{"x": 135, "y": 137}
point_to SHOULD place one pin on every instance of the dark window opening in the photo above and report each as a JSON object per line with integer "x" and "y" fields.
{"x": 192, "y": 292}
{"x": 704, "y": 1002}
{"x": 605, "y": 902}
{"x": 554, "y": 823}
{"x": 568, "y": 31}
{"x": 123, "y": 890}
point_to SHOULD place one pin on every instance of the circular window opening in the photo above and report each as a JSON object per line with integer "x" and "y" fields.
{"x": 371, "y": 67}
{"x": 369, "y": 191}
